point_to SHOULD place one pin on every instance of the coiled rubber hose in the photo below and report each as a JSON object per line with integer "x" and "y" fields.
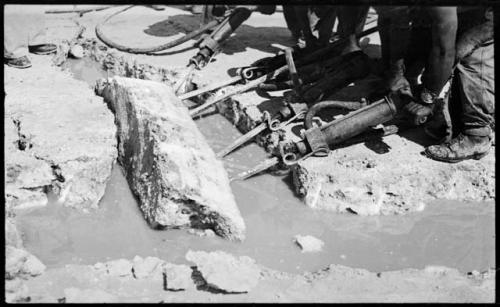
{"x": 100, "y": 34}
{"x": 348, "y": 105}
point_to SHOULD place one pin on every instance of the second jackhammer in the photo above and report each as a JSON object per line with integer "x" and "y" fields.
{"x": 210, "y": 45}
{"x": 316, "y": 141}
{"x": 268, "y": 65}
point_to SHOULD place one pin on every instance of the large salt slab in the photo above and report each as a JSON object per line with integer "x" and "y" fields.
{"x": 169, "y": 165}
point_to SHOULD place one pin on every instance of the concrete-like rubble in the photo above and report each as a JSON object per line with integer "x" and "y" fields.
{"x": 335, "y": 283}
{"x": 312, "y": 178}
{"x": 59, "y": 138}
{"x": 357, "y": 179}
{"x": 169, "y": 165}
{"x": 224, "y": 272}
{"x": 62, "y": 143}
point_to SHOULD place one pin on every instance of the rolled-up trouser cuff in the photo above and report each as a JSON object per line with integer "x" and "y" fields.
{"x": 478, "y": 131}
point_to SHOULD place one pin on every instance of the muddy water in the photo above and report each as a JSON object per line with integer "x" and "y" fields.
{"x": 453, "y": 234}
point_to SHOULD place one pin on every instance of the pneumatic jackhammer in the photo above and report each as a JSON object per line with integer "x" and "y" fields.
{"x": 316, "y": 141}
{"x": 210, "y": 44}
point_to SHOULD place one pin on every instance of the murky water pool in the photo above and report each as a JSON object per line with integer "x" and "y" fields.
{"x": 453, "y": 234}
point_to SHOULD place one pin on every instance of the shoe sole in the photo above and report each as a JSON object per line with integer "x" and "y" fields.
{"x": 474, "y": 156}
{"x": 17, "y": 66}
{"x": 44, "y": 52}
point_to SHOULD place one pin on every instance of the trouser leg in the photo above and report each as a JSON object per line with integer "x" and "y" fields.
{"x": 302, "y": 15}
{"x": 476, "y": 87}
{"x": 23, "y": 25}
{"x": 321, "y": 22}
{"x": 291, "y": 20}
{"x": 16, "y": 34}
{"x": 38, "y": 30}
{"x": 394, "y": 31}
{"x": 352, "y": 20}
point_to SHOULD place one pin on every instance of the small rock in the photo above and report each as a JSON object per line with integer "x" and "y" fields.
{"x": 309, "y": 243}
{"x": 99, "y": 267}
{"x": 438, "y": 270}
{"x": 15, "y": 290}
{"x": 178, "y": 276}
{"x": 12, "y": 235}
{"x": 202, "y": 233}
{"x": 143, "y": 268}
{"x": 120, "y": 267}
{"x": 225, "y": 272}
{"x": 33, "y": 266}
{"x": 75, "y": 295}
{"x": 14, "y": 261}
{"x": 76, "y": 51}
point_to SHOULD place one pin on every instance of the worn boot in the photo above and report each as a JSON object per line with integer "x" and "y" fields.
{"x": 43, "y": 49}
{"x": 460, "y": 148}
{"x": 22, "y": 62}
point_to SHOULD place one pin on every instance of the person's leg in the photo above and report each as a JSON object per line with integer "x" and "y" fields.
{"x": 16, "y": 32}
{"x": 351, "y": 22}
{"x": 394, "y": 31}
{"x": 417, "y": 45}
{"x": 321, "y": 21}
{"x": 291, "y": 21}
{"x": 477, "y": 90}
{"x": 476, "y": 87}
{"x": 302, "y": 12}
{"x": 36, "y": 24}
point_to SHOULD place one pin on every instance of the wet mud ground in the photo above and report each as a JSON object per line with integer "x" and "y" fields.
{"x": 458, "y": 235}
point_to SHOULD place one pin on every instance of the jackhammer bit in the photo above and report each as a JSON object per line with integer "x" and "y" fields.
{"x": 210, "y": 45}
{"x": 287, "y": 113}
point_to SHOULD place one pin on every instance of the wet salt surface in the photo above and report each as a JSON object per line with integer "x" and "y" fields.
{"x": 453, "y": 234}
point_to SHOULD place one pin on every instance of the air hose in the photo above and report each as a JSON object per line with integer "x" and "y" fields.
{"x": 347, "y": 105}
{"x": 105, "y": 39}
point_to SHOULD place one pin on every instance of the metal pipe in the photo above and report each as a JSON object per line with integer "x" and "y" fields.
{"x": 358, "y": 121}
{"x": 350, "y": 125}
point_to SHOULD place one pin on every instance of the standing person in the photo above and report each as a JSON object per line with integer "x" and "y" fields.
{"x": 472, "y": 104}
{"x": 311, "y": 25}
{"x": 24, "y": 32}
{"x": 443, "y": 41}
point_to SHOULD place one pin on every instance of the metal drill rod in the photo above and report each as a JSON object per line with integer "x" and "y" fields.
{"x": 211, "y": 87}
{"x": 292, "y": 69}
{"x": 268, "y": 163}
{"x": 244, "y": 88}
{"x": 184, "y": 79}
{"x": 242, "y": 140}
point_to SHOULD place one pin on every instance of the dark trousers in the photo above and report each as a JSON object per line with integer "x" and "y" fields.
{"x": 313, "y": 22}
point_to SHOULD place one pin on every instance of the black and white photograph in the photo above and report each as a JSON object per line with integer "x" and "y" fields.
{"x": 302, "y": 152}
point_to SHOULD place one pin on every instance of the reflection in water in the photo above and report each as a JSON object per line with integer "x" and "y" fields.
{"x": 453, "y": 234}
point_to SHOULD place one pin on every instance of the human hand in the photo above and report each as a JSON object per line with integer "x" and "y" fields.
{"x": 398, "y": 83}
